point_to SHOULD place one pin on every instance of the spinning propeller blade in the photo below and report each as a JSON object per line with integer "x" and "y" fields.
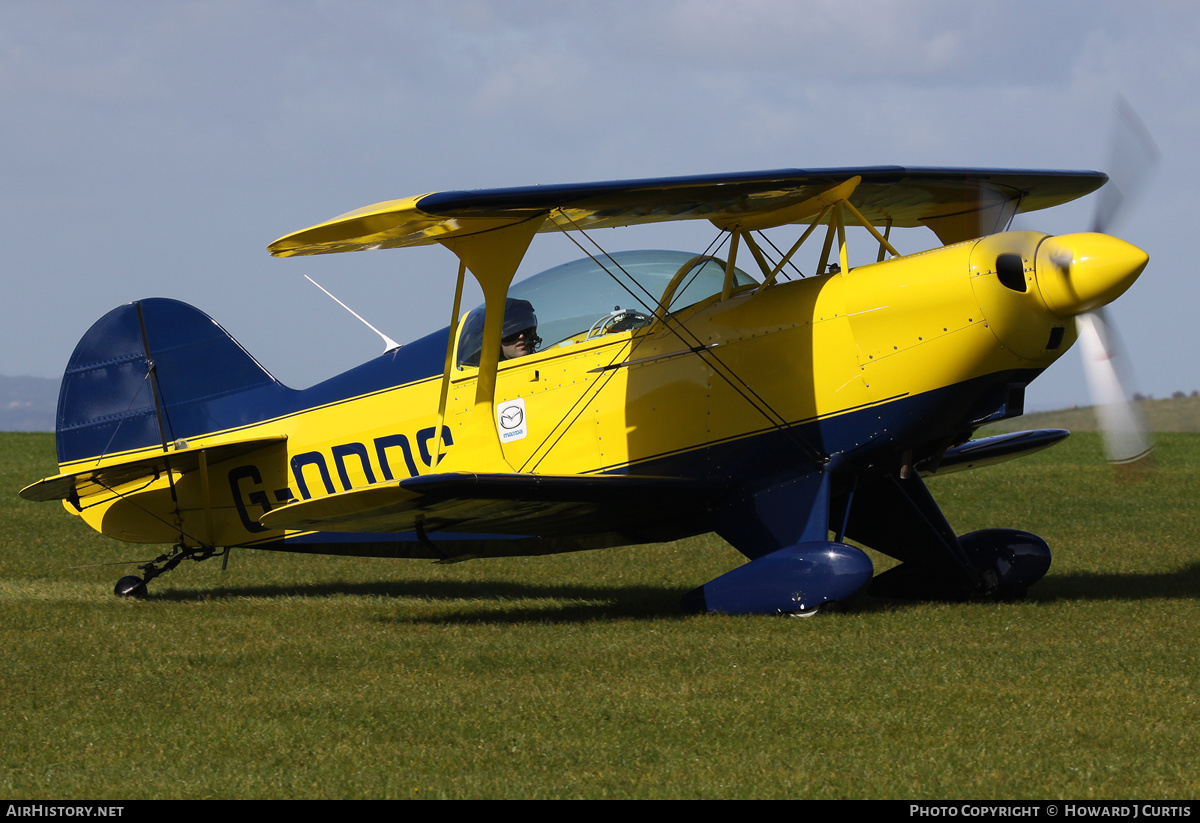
{"x": 1132, "y": 157}
{"x": 1125, "y": 437}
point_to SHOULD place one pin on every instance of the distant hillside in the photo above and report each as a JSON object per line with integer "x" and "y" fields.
{"x": 28, "y": 404}
{"x": 1169, "y": 414}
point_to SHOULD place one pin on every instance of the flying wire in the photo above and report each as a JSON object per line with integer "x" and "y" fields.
{"x": 696, "y": 346}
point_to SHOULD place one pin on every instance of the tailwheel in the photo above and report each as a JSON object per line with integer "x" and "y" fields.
{"x": 130, "y": 586}
{"x": 135, "y": 587}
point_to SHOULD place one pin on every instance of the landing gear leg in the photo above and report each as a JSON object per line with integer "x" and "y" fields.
{"x": 901, "y": 519}
{"x": 794, "y": 568}
{"x": 135, "y": 587}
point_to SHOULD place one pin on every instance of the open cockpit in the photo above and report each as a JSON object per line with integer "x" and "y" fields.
{"x": 594, "y": 297}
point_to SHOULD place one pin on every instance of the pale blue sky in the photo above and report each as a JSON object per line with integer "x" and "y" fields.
{"x": 155, "y": 148}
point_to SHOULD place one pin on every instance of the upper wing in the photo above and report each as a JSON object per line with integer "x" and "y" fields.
{"x": 950, "y": 201}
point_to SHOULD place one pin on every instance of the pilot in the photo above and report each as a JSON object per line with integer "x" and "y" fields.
{"x": 518, "y": 337}
{"x": 520, "y": 330}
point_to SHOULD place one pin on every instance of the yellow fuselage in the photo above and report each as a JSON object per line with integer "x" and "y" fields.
{"x": 869, "y": 364}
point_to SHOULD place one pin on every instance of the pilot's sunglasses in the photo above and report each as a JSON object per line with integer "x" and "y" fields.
{"x": 515, "y": 336}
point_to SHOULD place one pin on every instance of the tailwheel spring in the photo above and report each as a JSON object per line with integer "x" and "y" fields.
{"x": 135, "y": 587}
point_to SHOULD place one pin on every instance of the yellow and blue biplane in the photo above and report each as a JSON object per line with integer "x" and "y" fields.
{"x": 623, "y": 398}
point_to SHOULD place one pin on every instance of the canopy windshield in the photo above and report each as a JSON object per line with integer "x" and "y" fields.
{"x": 587, "y": 297}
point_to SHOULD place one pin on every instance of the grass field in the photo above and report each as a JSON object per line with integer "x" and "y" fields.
{"x": 576, "y": 676}
{"x": 1166, "y": 414}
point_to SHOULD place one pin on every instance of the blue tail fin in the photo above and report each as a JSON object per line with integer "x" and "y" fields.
{"x": 150, "y": 372}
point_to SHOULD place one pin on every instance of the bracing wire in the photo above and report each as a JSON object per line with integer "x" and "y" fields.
{"x": 695, "y": 345}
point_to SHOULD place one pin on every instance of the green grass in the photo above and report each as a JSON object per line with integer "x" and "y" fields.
{"x": 576, "y": 675}
{"x": 1166, "y": 414}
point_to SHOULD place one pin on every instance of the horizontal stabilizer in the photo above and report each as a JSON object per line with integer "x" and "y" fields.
{"x": 81, "y": 484}
{"x": 987, "y": 451}
{"x": 519, "y": 504}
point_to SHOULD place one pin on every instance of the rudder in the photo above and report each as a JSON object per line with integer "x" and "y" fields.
{"x": 150, "y": 372}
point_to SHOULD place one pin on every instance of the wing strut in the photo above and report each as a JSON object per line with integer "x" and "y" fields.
{"x": 450, "y": 344}
{"x": 492, "y": 257}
